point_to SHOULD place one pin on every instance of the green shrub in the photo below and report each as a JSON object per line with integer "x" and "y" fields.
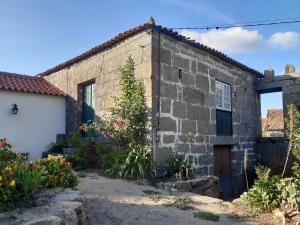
{"x": 7, "y": 186}
{"x": 79, "y": 158}
{"x": 105, "y": 157}
{"x": 8, "y": 159}
{"x": 55, "y": 148}
{"x": 57, "y": 172}
{"x": 29, "y": 180}
{"x": 290, "y": 192}
{"x": 135, "y": 164}
{"x": 6, "y": 155}
{"x": 84, "y": 154}
{"x": 178, "y": 166}
{"x": 75, "y": 139}
{"x": 265, "y": 193}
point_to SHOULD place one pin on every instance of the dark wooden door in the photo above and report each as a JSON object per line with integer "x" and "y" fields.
{"x": 222, "y": 169}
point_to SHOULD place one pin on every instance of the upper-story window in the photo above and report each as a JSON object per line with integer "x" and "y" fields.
{"x": 223, "y": 96}
{"x": 223, "y": 109}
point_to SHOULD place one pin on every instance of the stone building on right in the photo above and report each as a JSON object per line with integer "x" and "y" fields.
{"x": 204, "y": 104}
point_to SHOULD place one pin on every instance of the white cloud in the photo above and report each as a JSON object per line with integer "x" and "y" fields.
{"x": 284, "y": 40}
{"x": 229, "y": 40}
{"x": 240, "y": 40}
{"x": 203, "y": 9}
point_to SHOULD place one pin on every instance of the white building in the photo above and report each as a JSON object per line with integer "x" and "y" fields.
{"x": 32, "y": 113}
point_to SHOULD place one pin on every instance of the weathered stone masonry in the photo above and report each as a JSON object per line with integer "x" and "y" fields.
{"x": 103, "y": 68}
{"x": 187, "y": 116}
{"x": 180, "y": 88}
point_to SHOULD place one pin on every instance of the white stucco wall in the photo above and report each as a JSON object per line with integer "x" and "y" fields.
{"x": 39, "y": 119}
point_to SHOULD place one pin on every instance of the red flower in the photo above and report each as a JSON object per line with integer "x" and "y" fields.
{"x": 119, "y": 123}
{"x": 108, "y": 133}
{"x": 82, "y": 128}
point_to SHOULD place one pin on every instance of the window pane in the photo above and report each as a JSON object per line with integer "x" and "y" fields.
{"x": 223, "y": 96}
{"x": 227, "y": 97}
{"x": 219, "y": 103}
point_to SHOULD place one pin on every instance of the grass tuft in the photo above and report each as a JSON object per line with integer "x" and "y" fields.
{"x": 207, "y": 216}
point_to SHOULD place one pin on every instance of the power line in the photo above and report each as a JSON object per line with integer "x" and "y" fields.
{"x": 269, "y": 22}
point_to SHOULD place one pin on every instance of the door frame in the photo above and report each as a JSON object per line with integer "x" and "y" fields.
{"x": 81, "y": 87}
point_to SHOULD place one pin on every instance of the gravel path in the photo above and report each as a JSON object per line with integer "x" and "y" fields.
{"x": 119, "y": 202}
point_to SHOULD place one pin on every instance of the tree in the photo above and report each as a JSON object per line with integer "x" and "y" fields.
{"x": 129, "y": 116}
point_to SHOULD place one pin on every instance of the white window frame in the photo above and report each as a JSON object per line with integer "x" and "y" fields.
{"x": 225, "y": 98}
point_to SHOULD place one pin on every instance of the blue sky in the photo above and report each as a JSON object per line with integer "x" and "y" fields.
{"x": 36, "y": 35}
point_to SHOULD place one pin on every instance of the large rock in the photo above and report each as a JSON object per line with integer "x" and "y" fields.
{"x": 205, "y": 185}
{"x": 54, "y": 207}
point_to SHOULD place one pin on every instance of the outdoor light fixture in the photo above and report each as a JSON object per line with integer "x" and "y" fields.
{"x": 15, "y": 109}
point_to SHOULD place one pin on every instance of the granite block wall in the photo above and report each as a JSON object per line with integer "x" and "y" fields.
{"x": 103, "y": 69}
{"x": 187, "y": 112}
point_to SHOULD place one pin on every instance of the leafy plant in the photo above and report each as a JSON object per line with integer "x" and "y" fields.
{"x": 55, "y": 148}
{"x": 57, "y": 172}
{"x": 178, "y": 166}
{"x": 79, "y": 158}
{"x": 265, "y": 194}
{"x": 75, "y": 139}
{"x": 7, "y": 186}
{"x": 137, "y": 164}
{"x": 105, "y": 157}
{"x": 290, "y": 192}
{"x": 128, "y": 119}
{"x": 28, "y": 182}
{"x": 85, "y": 154}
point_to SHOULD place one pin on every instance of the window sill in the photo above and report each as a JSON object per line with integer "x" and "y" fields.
{"x": 226, "y": 140}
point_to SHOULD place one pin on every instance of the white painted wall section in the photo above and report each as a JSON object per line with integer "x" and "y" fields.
{"x": 39, "y": 119}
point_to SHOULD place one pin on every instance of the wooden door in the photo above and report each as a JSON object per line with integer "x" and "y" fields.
{"x": 222, "y": 169}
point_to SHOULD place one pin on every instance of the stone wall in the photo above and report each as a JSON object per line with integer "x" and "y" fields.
{"x": 187, "y": 106}
{"x": 271, "y": 152}
{"x": 103, "y": 68}
{"x": 53, "y": 207}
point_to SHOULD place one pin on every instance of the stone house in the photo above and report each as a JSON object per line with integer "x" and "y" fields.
{"x": 204, "y": 105}
{"x": 273, "y": 124}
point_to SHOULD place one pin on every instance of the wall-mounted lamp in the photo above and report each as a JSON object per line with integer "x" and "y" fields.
{"x": 15, "y": 109}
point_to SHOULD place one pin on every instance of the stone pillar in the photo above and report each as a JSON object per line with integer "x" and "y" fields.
{"x": 269, "y": 73}
{"x": 288, "y": 69}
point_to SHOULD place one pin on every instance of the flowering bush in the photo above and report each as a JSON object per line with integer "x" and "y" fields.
{"x": 57, "y": 172}
{"x": 6, "y": 155}
{"x": 265, "y": 193}
{"x": 20, "y": 181}
{"x": 7, "y": 186}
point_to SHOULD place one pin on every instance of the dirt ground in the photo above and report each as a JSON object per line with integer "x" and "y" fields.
{"x": 120, "y": 202}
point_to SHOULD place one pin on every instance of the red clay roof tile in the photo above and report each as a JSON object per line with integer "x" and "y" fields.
{"x": 24, "y": 83}
{"x": 274, "y": 120}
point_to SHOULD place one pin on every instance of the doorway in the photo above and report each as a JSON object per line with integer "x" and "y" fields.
{"x": 88, "y": 105}
{"x": 222, "y": 169}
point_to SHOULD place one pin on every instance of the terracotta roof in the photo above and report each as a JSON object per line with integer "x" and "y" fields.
{"x": 24, "y": 83}
{"x": 149, "y": 25}
{"x": 274, "y": 120}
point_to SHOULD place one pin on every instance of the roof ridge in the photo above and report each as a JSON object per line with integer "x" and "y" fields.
{"x": 15, "y": 74}
{"x": 26, "y": 83}
{"x": 147, "y": 25}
